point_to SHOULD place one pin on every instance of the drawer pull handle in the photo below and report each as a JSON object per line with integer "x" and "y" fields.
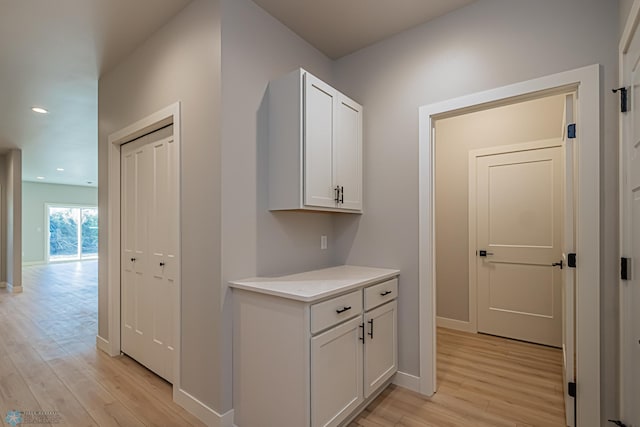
{"x": 371, "y": 332}
{"x": 385, "y": 293}
{"x": 343, "y": 309}
{"x": 362, "y": 338}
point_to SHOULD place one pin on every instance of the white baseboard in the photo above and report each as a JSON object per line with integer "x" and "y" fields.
{"x": 102, "y": 344}
{"x": 30, "y": 263}
{"x": 408, "y": 381}
{"x": 205, "y": 414}
{"x": 14, "y": 289}
{"x": 458, "y": 325}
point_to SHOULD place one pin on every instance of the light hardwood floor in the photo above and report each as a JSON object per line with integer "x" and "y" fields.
{"x": 49, "y": 360}
{"x": 482, "y": 381}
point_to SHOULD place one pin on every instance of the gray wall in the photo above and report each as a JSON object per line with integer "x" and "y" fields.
{"x": 455, "y": 137}
{"x": 257, "y": 48}
{"x": 35, "y": 196}
{"x": 181, "y": 62}
{"x": 487, "y": 44}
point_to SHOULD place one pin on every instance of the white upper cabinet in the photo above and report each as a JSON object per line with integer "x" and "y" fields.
{"x": 315, "y": 146}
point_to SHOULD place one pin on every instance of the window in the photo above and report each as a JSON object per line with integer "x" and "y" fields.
{"x": 73, "y": 233}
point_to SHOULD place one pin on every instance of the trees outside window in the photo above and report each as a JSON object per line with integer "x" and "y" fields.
{"x": 73, "y": 233}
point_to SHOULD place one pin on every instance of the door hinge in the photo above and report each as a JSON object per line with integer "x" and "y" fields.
{"x": 571, "y": 260}
{"x": 571, "y": 389}
{"x": 618, "y": 423}
{"x": 623, "y": 98}
{"x": 571, "y": 131}
{"x": 624, "y": 268}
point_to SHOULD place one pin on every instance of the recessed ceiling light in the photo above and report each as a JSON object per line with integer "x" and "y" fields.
{"x": 39, "y": 177}
{"x": 60, "y": 169}
{"x": 39, "y": 110}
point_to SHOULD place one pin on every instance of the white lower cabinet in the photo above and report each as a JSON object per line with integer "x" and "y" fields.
{"x": 312, "y": 363}
{"x": 336, "y": 373}
{"x": 381, "y": 348}
{"x": 350, "y": 362}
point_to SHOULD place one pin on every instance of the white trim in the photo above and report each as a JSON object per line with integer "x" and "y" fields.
{"x": 627, "y": 400}
{"x": 408, "y": 381}
{"x": 587, "y": 83}
{"x": 157, "y": 120}
{"x": 14, "y": 289}
{"x": 102, "y": 344}
{"x": 203, "y": 412}
{"x": 31, "y": 263}
{"x": 472, "y": 220}
{"x": 458, "y": 325}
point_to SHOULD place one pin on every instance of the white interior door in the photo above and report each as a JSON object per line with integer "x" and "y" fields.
{"x": 518, "y": 208}
{"x": 319, "y": 130}
{"x": 149, "y": 242}
{"x": 569, "y": 279}
{"x": 630, "y": 225}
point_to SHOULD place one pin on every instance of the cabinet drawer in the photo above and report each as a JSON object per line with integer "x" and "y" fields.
{"x": 380, "y": 293}
{"x": 336, "y": 310}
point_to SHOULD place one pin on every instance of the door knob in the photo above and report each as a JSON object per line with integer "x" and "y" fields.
{"x": 556, "y": 264}
{"x": 162, "y": 264}
{"x": 484, "y": 253}
{"x": 133, "y": 260}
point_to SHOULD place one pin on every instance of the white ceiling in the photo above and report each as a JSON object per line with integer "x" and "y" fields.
{"x": 340, "y": 27}
{"x": 53, "y": 52}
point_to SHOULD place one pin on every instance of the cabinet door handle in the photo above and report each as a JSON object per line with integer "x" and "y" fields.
{"x": 385, "y": 293}
{"x": 162, "y": 264}
{"x": 371, "y": 328}
{"x": 362, "y": 337}
{"x": 343, "y": 309}
{"x": 133, "y": 260}
{"x": 341, "y": 194}
{"x": 337, "y": 191}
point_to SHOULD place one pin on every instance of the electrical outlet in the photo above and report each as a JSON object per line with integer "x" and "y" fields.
{"x": 323, "y": 242}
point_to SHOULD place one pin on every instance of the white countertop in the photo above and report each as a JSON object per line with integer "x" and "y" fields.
{"x": 314, "y": 285}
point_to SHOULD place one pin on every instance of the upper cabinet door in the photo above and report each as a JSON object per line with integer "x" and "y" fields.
{"x": 319, "y": 130}
{"x": 347, "y": 153}
{"x": 314, "y": 146}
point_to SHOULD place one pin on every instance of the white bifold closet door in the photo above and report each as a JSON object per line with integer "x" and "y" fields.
{"x": 149, "y": 245}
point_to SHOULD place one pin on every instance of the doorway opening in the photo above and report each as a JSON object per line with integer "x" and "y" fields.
{"x": 116, "y": 259}
{"x": 586, "y": 83}
{"x": 499, "y": 189}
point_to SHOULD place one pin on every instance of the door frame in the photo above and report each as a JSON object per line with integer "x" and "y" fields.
{"x": 626, "y": 400}
{"x": 157, "y": 120}
{"x": 472, "y": 188}
{"x": 586, "y": 83}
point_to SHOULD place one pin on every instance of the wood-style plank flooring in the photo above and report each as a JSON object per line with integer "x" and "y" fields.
{"x": 49, "y": 361}
{"x": 482, "y": 381}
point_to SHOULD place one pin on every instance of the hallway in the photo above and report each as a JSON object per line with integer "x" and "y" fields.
{"x": 50, "y": 367}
